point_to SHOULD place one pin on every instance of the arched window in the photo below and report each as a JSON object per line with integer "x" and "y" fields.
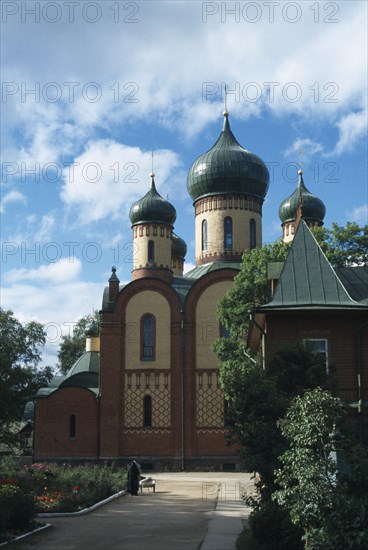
{"x": 252, "y": 234}
{"x": 147, "y": 411}
{"x": 151, "y": 251}
{"x": 204, "y": 235}
{"x": 148, "y": 326}
{"x": 72, "y": 426}
{"x": 228, "y": 233}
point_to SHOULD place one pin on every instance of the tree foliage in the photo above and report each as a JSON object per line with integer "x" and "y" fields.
{"x": 331, "y": 506}
{"x": 73, "y": 346}
{"x": 251, "y": 288}
{"x": 258, "y": 398}
{"x": 344, "y": 246}
{"x": 20, "y": 377}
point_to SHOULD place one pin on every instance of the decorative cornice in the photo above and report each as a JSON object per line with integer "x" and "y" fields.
{"x": 228, "y": 202}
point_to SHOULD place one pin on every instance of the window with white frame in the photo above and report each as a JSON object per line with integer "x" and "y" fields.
{"x": 319, "y": 346}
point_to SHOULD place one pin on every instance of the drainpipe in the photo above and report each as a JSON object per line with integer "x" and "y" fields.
{"x": 358, "y": 336}
{"x": 263, "y": 338}
{"x": 98, "y": 425}
{"x": 182, "y": 386}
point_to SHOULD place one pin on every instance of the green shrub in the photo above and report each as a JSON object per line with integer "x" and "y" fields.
{"x": 17, "y": 509}
{"x": 66, "y": 488}
{"x": 271, "y": 527}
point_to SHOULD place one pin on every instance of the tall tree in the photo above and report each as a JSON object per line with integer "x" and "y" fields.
{"x": 20, "y": 376}
{"x": 250, "y": 289}
{"x": 73, "y": 346}
{"x": 344, "y": 246}
{"x": 258, "y": 398}
{"x": 330, "y": 505}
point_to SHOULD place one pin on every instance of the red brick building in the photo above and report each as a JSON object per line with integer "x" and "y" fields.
{"x": 156, "y": 395}
{"x": 327, "y": 309}
{"x": 147, "y": 386}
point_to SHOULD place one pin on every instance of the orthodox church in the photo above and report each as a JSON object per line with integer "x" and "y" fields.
{"x": 147, "y": 386}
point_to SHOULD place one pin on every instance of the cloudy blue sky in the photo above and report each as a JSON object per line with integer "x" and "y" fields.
{"x": 91, "y": 88}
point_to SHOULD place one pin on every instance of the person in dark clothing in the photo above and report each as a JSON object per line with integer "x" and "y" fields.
{"x": 133, "y": 478}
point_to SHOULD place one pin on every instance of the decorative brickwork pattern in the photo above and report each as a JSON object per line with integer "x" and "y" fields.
{"x": 137, "y": 386}
{"x": 225, "y": 202}
{"x": 210, "y": 400}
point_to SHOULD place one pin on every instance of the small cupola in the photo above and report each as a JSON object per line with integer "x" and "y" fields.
{"x": 93, "y": 338}
{"x": 178, "y": 253}
{"x": 301, "y": 204}
{"x": 152, "y": 208}
{"x": 152, "y": 220}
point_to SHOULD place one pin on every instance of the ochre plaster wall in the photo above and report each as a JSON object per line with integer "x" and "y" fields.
{"x": 207, "y": 324}
{"x": 144, "y": 302}
{"x": 215, "y": 226}
{"x": 162, "y": 237}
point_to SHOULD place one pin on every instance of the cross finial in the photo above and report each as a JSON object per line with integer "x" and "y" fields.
{"x": 226, "y": 112}
{"x": 300, "y": 153}
{"x": 152, "y": 174}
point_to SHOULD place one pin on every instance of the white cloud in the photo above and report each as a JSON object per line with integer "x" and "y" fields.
{"x": 359, "y": 215}
{"x": 352, "y": 127}
{"x": 31, "y": 231}
{"x": 302, "y": 150}
{"x": 163, "y": 80}
{"x": 55, "y": 300}
{"x": 62, "y": 271}
{"x": 108, "y": 176}
{"x": 45, "y": 228}
{"x": 12, "y": 196}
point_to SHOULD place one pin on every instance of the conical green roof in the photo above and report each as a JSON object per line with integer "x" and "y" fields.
{"x": 313, "y": 208}
{"x": 307, "y": 279}
{"x": 152, "y": 208}
{"x": 178, "y": 247}
{"x": 227, "y": 168}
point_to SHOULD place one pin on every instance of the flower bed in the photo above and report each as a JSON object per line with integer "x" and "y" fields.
{"x": 46, "y": 487}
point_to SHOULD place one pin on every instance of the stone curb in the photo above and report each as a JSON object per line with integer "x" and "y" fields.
{"x": 64, "y": 514}
{"x": 80, "y": 512}
{"x": 26, "y": 534}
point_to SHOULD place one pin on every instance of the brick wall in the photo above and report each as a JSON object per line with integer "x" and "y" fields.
{"x": 52, "y": 425}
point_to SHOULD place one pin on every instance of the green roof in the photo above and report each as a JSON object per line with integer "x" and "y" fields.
{"x": 274, "y": 270}
{"x": 312, "y": 207}
{"x": 84, "y": 373}
{"x": 201, "y": 270}
{"x": 178, "y": 246}
{"x": 227, "y": 168}
{"x": 152, "y": 208}
{"x": 308, "y": 280}
{"x": 182, "y": 285}
{"x": 355, "y": 280}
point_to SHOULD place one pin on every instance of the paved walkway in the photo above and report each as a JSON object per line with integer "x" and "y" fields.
{"x": 188, "y": 511}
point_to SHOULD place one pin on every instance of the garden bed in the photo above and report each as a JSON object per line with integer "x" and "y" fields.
{"x": 44, "y": 489}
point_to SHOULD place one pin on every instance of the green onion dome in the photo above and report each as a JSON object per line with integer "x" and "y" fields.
{"x": 313, "y": 208}
{"x": 227, "y": 168}
{"x": 152, "y": 208}
{"x": 178, "y": 247}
